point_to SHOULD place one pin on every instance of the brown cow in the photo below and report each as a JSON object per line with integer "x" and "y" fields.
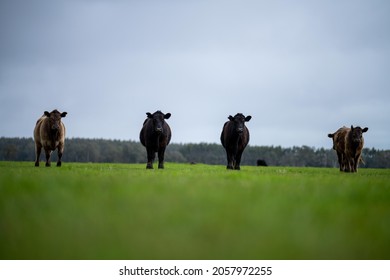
{"x": 348, "y": 143}
{"x": 49, "y": 133}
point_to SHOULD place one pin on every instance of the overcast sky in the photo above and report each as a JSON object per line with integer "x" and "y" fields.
{"x": 301, "y": 69}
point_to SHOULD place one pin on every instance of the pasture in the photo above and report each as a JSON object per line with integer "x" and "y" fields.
{"x": 123, "y": 211}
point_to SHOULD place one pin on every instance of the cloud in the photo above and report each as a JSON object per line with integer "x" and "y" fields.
{"x": 301, "y": 69}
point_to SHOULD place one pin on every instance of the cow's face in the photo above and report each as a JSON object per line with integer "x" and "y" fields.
{"x": 239, "y": 122}
{"x": 158, "y": 120}
{"x": 357, "y": 133}
{"x": 55, "y": 119}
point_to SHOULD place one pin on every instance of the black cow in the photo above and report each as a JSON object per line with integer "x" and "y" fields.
{"x": 261, "y": 162}
{"x": 155, "y": 135}
{"x": 234, "y": 138}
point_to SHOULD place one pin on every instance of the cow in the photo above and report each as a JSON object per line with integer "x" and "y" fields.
{"x": 49, "y": 134}
{"x": 348, "y": 144}
{"x": 155, "y": 135}
{"x": 261, "y": 162}
{"x": 234, "y": 138}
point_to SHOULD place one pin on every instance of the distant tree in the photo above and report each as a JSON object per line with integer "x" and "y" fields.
{"x": 101, "y": 150}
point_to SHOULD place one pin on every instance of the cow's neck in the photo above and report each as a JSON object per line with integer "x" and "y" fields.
{"x": 354, "y": 146}
{"x": 54, "y": 135}
{"x": 156, "y": 139}
{"x": 235, "y": 138}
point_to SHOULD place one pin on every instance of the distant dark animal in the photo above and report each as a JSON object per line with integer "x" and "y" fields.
{"x": 234, "y": 138}
{"x": 348, "y": 143}
{"x": 49, "y": 134}
{"x": 261, "y": 162}
{"x": 155, "y": 135}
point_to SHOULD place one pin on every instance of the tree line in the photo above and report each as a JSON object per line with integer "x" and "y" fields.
{"x": 118, "y": 151}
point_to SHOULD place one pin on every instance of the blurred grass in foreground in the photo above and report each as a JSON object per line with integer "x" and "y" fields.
{"x": 123, "y": 211}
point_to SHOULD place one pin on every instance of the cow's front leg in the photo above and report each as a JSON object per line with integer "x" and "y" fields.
{"x": 238, "y": 161}
{"x": 161, "y": 153}
{"x": 352, "y": 165}
{"x": 356, "y": 162}
{"x": 151, "y": 156}
{"x": 341, "y": 161}
{"x": 230, "y": 160}
{"x": 60, "y": 153}
{"x": 348, "y": 165}
{"x": 48, "y": 153}
{"x": 38, "y": 149}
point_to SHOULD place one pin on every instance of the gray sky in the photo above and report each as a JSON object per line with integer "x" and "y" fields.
{"x": 301, "y": 69}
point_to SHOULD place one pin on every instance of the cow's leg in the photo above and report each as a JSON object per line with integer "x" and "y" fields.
{"x": 355, "y": 163}
{"x": 357, "y": 160}
{"x": 343, "y": 163}
{"x": 349, "y": 165}
{"x": 235, "y": 157}
{"x": 346, "y": 163}
{"x": 161, "y": 153}
{"x": 48, "y": 153}
{"x": 230, "y": 160}
{"x": 60, "y": 153}
{"x": 238, "y": 161}
{"x": 340, "y": 161}
{"x": 151, "y": 156}
{"x": 38, "y": 149}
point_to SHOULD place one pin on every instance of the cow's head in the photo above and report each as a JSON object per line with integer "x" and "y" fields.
{"x": 357, "y": 133}
{"x": 239, "y": 122}
{"x": 55, "y": 119}
{"x": 158, "y": 120}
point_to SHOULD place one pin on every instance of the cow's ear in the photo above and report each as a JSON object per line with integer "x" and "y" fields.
{"x": 365, "y": 129}
{"x": 149, "y": 115}
{"x": 167, "y": 116}
{"x": 47, "y": 114}
{"x": 351, "y": 127}
{"x": 63, "y": 115}
{"x": 330, "y": 135}
{"x": 231, "y": 118}
{"x": 248, "y": 118}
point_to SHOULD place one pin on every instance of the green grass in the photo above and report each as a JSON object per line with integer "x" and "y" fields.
{"x": 123, "y": 211}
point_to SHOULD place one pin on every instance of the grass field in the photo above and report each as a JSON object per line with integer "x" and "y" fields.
{"x": 123, "y": 211}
